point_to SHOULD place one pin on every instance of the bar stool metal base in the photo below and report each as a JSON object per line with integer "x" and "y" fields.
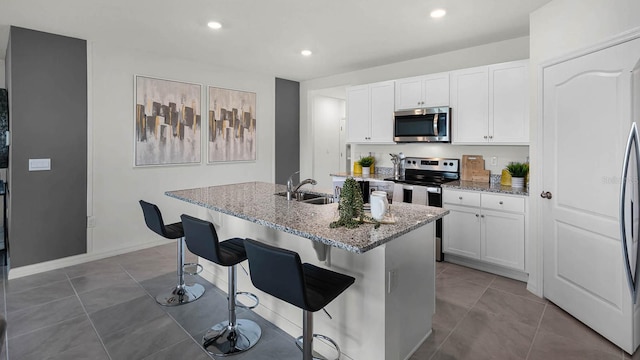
{"x": 316, "y": 355}
{"x": 223, "y": 340}
{"x": 178, "y": 296}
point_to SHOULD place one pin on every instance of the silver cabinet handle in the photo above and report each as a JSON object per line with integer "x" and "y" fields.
{"x": 546, "y": 195}
{"x": 477, "y": 215}
{"x": 459, "y": 197}
{"x": 500, "y": 203}
{"x": 632, "y": 277}
{"x": 490, "y": 136}
{"x": 482, "y": 216}
{"x": 485, "y": 136}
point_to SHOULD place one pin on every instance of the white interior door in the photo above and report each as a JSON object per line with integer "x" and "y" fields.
{"x": 587, "y": 116}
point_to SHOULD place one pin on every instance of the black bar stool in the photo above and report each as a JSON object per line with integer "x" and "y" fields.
{"x": 281, "y": 273}
{"x": 182, "y": 293}
{"x": 235, "y": 335}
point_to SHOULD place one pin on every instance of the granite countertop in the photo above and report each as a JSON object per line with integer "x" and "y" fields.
{"x": 376, "y": 176}
{"x": 257, "y": 202}
{"x": 486, "y": 187}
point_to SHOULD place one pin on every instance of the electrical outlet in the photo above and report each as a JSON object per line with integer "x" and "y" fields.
{"x": 494, "y": 161}
{"x": 91, "y": 221}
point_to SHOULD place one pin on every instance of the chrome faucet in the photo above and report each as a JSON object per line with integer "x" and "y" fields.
{"x": 291, "y": 191}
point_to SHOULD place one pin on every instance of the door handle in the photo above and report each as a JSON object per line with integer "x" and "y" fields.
{"x": 546, "y": 195}
{"x": 632, "y": 274}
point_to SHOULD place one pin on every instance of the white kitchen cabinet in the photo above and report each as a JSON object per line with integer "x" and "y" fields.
{"x": 485, "y": 227}
{"x": 490, "y": 104}
{"x": 370, "y": 113}
{"x": 422, "y": 91}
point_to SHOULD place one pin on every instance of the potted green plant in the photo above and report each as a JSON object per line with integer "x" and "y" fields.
{"x": 518, "y": 172}
{"x": 366, "y": 163}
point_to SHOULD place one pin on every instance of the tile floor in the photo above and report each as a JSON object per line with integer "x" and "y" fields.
{"x": 105, "y": 310}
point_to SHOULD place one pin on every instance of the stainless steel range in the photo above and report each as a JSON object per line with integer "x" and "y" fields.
{"x": 421, "y": 184}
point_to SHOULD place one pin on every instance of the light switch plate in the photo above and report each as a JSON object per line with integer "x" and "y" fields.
{"x": 39, "y": 164}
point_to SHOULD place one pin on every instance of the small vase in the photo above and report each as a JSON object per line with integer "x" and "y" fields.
{"x": 517, "y": 182}
{"x": 366, "y": 171}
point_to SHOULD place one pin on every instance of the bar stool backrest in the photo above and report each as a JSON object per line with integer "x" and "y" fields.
{"x": 202, "y": 239}
{"x": 153, "y": 218}
{"x": 277, "y": 272}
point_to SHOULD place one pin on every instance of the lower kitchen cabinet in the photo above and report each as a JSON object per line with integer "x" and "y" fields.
{"x": 485, "y": 227}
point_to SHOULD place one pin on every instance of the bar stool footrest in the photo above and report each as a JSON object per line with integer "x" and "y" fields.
{"x": 192, "y": 268}
{"x": 326, "y": 339}
{"x": 251, "y": 296}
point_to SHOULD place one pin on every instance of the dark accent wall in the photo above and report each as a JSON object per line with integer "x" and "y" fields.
{"x": 287, "y": 129}
{"x": 47, "y": 86}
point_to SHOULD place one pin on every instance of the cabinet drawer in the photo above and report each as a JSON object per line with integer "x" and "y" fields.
{"x": 461, "y": 198}
{"x": 505, "y": 203}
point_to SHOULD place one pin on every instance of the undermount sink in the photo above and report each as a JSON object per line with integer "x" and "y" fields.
{"x": 310, "y": 198}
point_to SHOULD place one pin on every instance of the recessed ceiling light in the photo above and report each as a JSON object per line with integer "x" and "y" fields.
{"x": 306, "y": 52}
{"x": 438, "y": 13}
{"x": 214, "y": 25}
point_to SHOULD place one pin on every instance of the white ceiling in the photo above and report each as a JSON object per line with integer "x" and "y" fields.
{"x": 267, "y": 35}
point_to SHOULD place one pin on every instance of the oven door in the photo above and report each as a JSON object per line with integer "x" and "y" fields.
{"x": 422, "y": 125}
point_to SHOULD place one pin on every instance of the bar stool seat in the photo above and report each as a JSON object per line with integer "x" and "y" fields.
{"x": 281, "y": 273}
{"x": 234, "y": 335}
{"x": 181, "y": 293}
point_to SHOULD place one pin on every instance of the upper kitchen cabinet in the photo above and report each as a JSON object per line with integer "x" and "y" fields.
{"x": 490, "y": 104}
{"x": 370, "y": 113}
{"x": 422, "y": 91}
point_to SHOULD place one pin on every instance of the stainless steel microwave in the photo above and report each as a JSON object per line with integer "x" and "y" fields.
{"x": 422, "y": 125}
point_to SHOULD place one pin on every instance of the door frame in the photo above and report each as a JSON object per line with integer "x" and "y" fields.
{"x": 535, "y": 251}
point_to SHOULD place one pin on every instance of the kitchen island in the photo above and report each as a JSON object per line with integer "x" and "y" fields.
{"x": 386, "y": 314}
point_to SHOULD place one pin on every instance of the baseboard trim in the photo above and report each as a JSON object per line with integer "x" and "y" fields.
{"x": 75, "y": 260}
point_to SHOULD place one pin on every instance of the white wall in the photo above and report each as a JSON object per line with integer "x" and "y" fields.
{"x": 115, "y": 186}
{"x": 509, "y": 50}
{"x": 556, "y": 29}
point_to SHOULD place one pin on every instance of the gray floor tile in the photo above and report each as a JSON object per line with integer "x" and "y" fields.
{"x": 482, "y": 335}
{"x": 515, "y": 287}
{"x": 86, "y": 283}
{"x": 37, "y": 317}
{"x": 33, "y": 281}
{"x": 107, "y": 265}
{"x": 457, "y": 272}
{"x": 557, "y": 321}
{"x": 548, "y": 346}
{"x": 511, "y": 306}
{"x": 131, "y": 314}
{"x": 137, "y": 256}
{"x": 431, "y": 345}
{"x": 201, "y": 314}
{"x": 448, "y": 314}
{"x": 53, "y": 340}
{"x": 39, "y": 295}
{"x": 90, "y": 350}
{"x": 105, "y": 297}
{"x": 150, "y": 267}
{"x": 137, "y": 342}
{"x": 458, "y": 291}
{"x": 186, "y": 349}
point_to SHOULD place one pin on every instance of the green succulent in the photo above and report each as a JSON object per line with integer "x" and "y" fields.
{"x": 367, "y": 161}
{"x": 517, "y": 169}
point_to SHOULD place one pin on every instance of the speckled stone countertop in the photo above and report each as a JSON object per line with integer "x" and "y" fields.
{"x": 486, "y": 187}
{"x": 376, "y": 176}
{"x": 257, "y": 202}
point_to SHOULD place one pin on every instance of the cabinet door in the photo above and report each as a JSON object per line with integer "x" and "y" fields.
{"x": 381, "y": 112}
{"x": 408, "y": 93}
{"x": 462, "y": 231}
{"x": 436, "y": 90}
{"x": 502, "y": 239}
{"x": 470, "y": 105}
{"x": 509, "y": 103}
{"x": 358, "y": 118}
